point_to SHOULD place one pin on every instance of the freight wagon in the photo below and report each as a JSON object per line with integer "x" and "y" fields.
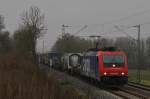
{"x": 72, "y": 61}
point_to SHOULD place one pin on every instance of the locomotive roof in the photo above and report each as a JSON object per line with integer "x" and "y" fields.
{"x": 97, "y": 53}
{"x": 94, "y": 51}
{"x": 103, "y": 49}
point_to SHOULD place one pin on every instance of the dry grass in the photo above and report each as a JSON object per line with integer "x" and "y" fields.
{"x": 21, "y": 79}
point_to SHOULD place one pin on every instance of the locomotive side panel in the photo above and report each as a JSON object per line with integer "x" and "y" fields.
{"x": 90, "y": 67}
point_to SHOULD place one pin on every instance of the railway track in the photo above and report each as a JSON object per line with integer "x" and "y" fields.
{"x": 132, "y": 91}
{"x": 123, "y": 94}
{"x": 80, "y": 85}
{"x": 144, "y": 87}
{"x": 129, "y": 91}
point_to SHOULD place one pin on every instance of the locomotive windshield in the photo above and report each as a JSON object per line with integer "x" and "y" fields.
{"x": 113, "y": 60}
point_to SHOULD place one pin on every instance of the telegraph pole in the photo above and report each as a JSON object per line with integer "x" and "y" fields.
{"x": 63, "y": 33}
{"x": 64, "y": 29}
{"x": 43, "y": 46}
{"x": 139, "y": 53}
{"x": 138, "y": 48}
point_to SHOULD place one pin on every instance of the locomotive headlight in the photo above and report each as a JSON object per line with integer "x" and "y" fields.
{"x": 122, "y": 73}
{"x": 105, "y": 73}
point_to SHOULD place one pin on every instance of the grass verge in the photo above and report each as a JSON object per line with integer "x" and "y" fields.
{"x": 144, "y": 75}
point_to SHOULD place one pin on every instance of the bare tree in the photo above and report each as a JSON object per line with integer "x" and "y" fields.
{"x": 35, "y": 20}
{"x": 31, "y": 29}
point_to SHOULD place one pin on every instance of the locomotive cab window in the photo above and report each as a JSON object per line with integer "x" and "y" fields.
{"x": 113, "y": 60}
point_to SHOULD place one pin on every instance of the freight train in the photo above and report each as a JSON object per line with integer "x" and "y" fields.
{"x": 106, "y": 65}
{"x": 52, "y": 59}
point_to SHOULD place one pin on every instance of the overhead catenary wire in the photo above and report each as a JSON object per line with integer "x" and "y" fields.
{"x": 124, "y": 27}
{"x": 122, "y": 31}
{"x": 118, "y": 20}
{"x": 126, "y": 18}
{"x": 80, "y": 30}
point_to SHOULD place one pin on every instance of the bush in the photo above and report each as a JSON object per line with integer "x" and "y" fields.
{"x": 21, "y": 79}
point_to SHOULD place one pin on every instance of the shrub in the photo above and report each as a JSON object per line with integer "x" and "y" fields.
{"x": 21, "y": 79}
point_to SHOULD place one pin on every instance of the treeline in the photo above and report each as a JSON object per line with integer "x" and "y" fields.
{"x": 18, "y": 69}
{"x": 31, "y": 28}
{"x": 23, "y": 40}
{"x": 20, "y": 76}
{"x": 70, "y": 43}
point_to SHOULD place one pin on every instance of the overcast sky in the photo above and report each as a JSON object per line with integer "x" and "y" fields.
{"x": 78, "y": 13}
